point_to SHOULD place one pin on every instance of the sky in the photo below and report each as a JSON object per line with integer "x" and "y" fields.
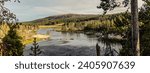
{"x": 29, "y": 10}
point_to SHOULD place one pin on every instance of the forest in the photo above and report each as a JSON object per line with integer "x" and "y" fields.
{"x": 14, "y": 36}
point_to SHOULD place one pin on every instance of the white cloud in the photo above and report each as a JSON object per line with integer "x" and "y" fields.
{"x": 33, "y": 9}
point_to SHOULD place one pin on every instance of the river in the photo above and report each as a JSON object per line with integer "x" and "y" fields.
{"x": 68, "y": 44}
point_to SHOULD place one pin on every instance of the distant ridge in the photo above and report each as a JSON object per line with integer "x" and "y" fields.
{"x": 56, "y": 19}
{"x": 60, "y": 17}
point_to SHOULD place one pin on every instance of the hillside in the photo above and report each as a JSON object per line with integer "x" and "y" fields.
{"x": 78, "y": 22}
{"x": 63, "y": 18}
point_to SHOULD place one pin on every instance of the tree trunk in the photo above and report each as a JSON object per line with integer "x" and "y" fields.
{"x": 135, "y": 28}
{"x": 97, "y": 49}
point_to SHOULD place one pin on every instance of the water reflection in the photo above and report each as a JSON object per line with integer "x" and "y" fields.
{"x": 69, "y": 43}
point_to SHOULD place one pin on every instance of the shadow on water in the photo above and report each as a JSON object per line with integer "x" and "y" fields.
{"x": 69, "y": 44}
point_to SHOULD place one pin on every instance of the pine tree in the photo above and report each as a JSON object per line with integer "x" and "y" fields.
{"x": 12, "y": 42}
{"x": 35, "y": 49}
{"x": 107, "y": 5}
{"x": 7, "y": 16}
{"x": 144, "y": 15}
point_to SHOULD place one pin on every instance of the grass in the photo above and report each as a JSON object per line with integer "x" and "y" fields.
{"x": 29, "y": 41}
{"x": 38, "y": 37}
{"x": 24, "y": 32}
{"x": 57, "y": 27}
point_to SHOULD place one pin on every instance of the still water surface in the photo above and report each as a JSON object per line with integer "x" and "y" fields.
{"x": 68, "y": 43}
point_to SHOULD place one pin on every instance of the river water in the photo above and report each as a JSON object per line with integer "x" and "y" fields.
{"x": 68, "y": 44}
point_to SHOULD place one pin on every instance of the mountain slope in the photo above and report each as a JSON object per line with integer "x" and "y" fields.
{"x": 62, "y": 18}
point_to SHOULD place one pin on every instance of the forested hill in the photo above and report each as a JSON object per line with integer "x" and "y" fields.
{"x": 51, "y": 20}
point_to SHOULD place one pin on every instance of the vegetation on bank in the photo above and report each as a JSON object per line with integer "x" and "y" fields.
{"x": 117, "y": 24}
{"x": 13, "y": 37}
{"x": 26, "y": 32}
{"x": 12, "y": 43}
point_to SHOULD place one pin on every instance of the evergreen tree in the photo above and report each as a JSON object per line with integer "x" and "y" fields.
{"x": 144, "y": 15}
{"x": 35, "y": 49}
{"x": 107, "y": 5}
{"x": 12, "y": 42}
{"x": 7, "y": 16}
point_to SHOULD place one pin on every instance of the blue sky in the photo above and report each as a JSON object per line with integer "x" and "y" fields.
{"x": 29, "y": 10}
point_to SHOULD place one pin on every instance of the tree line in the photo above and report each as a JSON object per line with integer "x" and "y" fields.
{"x": 132, "y": 26}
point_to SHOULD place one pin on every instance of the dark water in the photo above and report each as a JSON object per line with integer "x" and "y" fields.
{"x": 67, "y": 43}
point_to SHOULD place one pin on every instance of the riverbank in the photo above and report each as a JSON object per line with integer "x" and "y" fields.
{"x": 68, "y": 44}
{"x": 56, "y": 27}
{"x": 59, "y": 28}
{"x": 28, "y": 35}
